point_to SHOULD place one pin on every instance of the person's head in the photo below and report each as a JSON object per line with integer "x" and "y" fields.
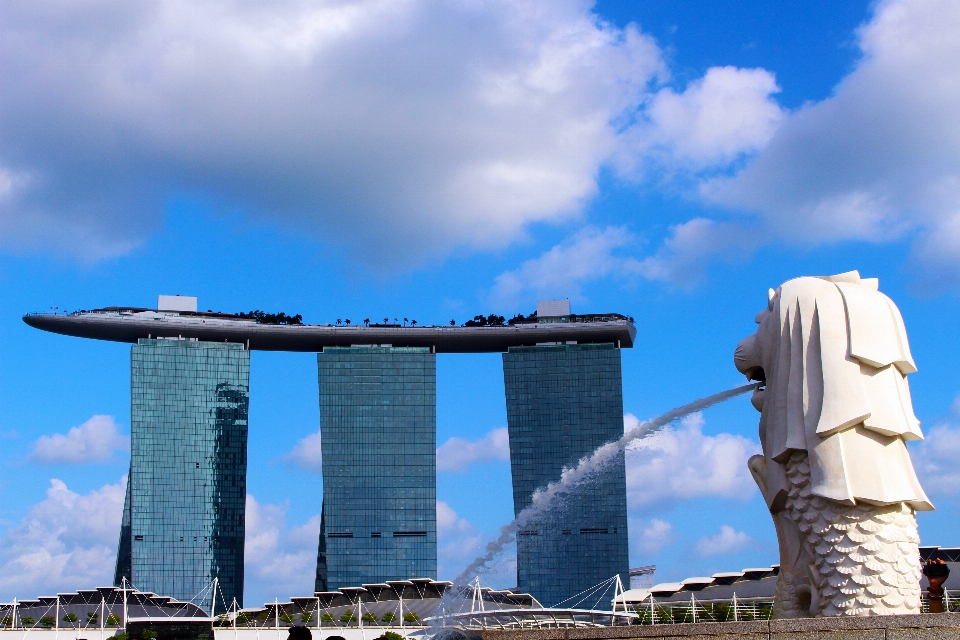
{"x": 299, "y": 632}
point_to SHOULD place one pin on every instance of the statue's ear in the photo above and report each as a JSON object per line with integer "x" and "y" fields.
{"x": 876, "y": 332}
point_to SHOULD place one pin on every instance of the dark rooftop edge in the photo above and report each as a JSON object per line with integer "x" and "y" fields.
{"x": 127, "y": 324}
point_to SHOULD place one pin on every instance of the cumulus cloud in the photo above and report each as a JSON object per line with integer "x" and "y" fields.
{"x": 649, "y": 537}
{"x": 406, "y": 128}
{"x": 306, "y": 454}
{"x": 727, "y": 542}
{"x": 588, "y": 255}
{"x": 880, "y": 158}
{"x": 67, "y": 541}
{"x": 715, "y": 120}
{"x": 935, "y": 459}
{"x": 280, "y": 561}
{"x": 95, "y": 440}
{"x": 456, "y": 454}
{"x": 684, "y": 464}
{"x": 458, "y": 542}
{"x": 410, "y": 127}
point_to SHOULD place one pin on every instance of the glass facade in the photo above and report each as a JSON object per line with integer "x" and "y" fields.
{"x": 563, "y": 402}
{"x": 378, "y": 441}
{"x": 186, "y": 494}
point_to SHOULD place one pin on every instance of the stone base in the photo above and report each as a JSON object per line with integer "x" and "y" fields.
{"x": 934, "y": 626}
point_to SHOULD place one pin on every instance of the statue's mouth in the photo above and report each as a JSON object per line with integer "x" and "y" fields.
{"x": 758, "y": 375}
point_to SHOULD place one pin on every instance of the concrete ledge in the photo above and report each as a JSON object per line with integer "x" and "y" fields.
{"x": 934, "y": 626}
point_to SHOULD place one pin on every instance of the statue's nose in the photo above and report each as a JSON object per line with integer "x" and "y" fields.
{"x": 745, "y": 357}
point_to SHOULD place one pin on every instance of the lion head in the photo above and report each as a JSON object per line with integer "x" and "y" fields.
{"x": 831, "y": 357}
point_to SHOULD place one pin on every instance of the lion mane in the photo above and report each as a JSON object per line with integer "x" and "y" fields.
{"x": 831, "y": 355}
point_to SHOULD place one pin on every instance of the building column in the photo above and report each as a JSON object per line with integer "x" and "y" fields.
{"x": 187, "y": 484}
{"x": 563, "y": 402}
{"x": 378, "y": 434}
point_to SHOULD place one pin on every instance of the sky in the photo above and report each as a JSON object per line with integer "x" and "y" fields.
{"x": 670, "y": 161}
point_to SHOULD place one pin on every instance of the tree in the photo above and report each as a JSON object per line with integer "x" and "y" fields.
{"x": 244, "y": 618}
{"x": 347, "y": 322}
{"x": 453, "y": 323}
{"x": 410, "y": 616}
{"x": 28, "y": 621}
{"x": 405, "y": 321}
{"x": 71, "y": 618}
{"x": 389, "y": 617}
{"x": 47, "y": 621}
{"x": 369, "y": 617}
{"x": 93, "y": 617}
{"x": 120, "y": 636}
{"x": 413, "y": 323}
{"x": 327, "y": 617}
{"x": 386, "y": 321}
{"x": 262, "y": 617}
{"x": 6, "y": 621}
{"x": 306, "y": 617}
{"x": 339, "y": 321}
{"x": 149, "y": 634}
{"x": 113, "y": 620}
{"x": 366, "y": 322}
{"x": 390, "y": 635}
{"x": 287, "y": 618}
{"x": 348, "y": 616}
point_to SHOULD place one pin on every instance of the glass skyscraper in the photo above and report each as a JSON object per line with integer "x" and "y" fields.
{"x": 563, "y": 402}
{"x": 378, "y": 440}
{"x": 183, "y": 522}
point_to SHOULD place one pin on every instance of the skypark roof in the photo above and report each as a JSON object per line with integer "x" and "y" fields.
{"x": 125, "y": 324}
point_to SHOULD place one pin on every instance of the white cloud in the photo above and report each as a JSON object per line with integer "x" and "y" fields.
{"x": 279, "y": 561}
{"x": 935, "y": 460}
{"x": 403, "y": 129}
{"x": 684, "y": 464}
{"x": 67, "y": 541}
{"x": 649, "y": 538}
{"x": 306, "y": 454}
{"x": 878, "y": 159}
{"x": 714, "y": 121}
{"x": 95, "y": 440}
{"x": 727, "y": 542}
{"x": 456, "y": 454}
{"x": 588, "y": 255}
{"x": 410, "y": 127}
{"x": 458, "y": 542}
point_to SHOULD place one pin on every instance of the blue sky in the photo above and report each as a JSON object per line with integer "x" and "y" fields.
{"x": 669, "y": 161}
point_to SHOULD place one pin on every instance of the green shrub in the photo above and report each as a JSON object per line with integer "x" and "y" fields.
{"x": 244, "y": 617}
{"x": 287, "y": 618}
{"x": 369, "y": 617}
{"x": 306, "y": 617}
{"x": 120, "y": 636}
{"x": 6, "y": 621}
{"x": 113, "y": 620}
{"x": 28, "y": 621}
{"x": 348, "y": 616}
{"x": 389, "y": 617}
{"x": 70, "y": 618}
{"x": 263, "y": 617}
{"x": 390, "y": 635}
{"x": 410, "y": 616}
{"x": 327, "y": 617}
{"x": 47, "y": 621}
{"x": 149, "y": 634}
{"x": 93, "y": 617}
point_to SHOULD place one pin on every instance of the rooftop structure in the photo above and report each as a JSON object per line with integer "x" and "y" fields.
{"x": 129, "y": 324}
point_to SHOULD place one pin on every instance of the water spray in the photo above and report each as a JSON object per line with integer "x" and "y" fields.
{"x": 588, "y": 467}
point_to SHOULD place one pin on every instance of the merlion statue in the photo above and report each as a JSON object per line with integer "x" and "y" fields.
{"x": 831, "y": 358}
